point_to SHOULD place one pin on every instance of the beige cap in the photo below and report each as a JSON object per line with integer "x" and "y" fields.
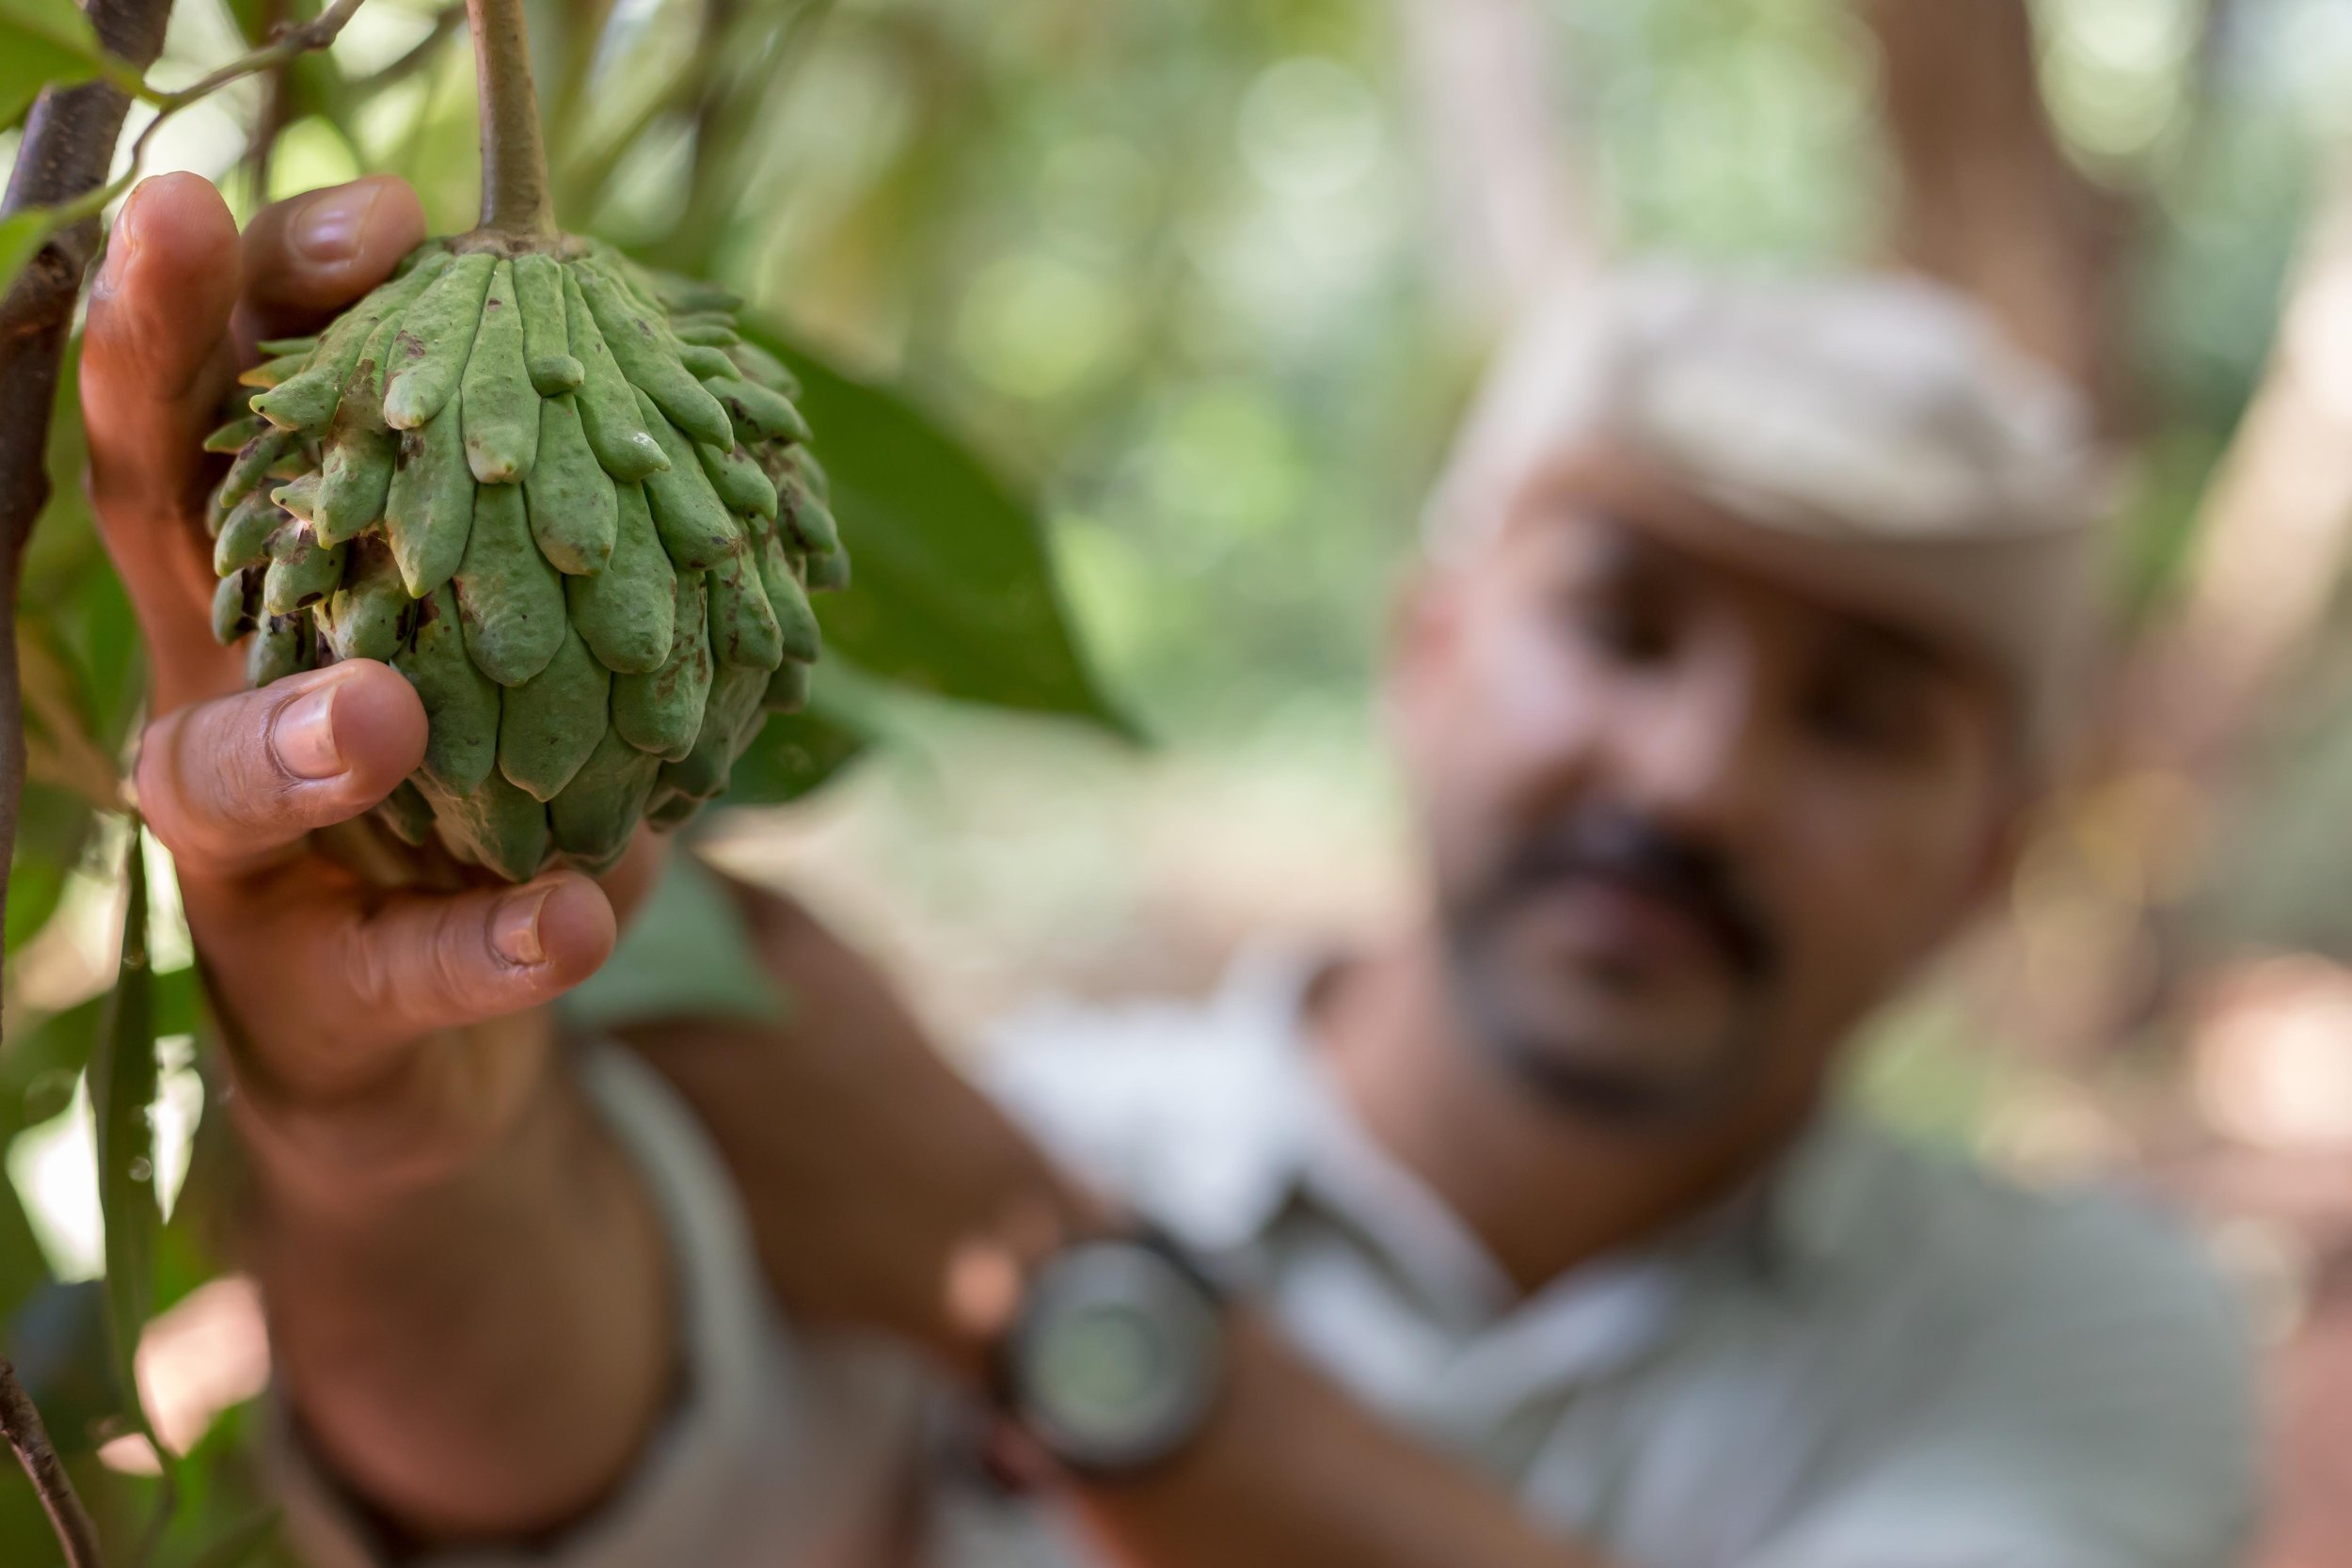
{"x": 1872, "y": 439}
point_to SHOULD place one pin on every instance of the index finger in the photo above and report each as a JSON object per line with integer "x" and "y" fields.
{"x": 154, "y": 362}
{"x": 157, "y": 356}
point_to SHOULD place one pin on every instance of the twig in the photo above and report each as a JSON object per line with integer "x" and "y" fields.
{"x": 300, "y": 39}
{"x": 445, "y": 23}
{"x": 518, "y": 198}
{"x": 22, "y": 1424}
{"x": 68, "y": 144}
{"x": 317, "y": 32}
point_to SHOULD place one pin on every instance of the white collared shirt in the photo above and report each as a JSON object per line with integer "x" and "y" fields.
{"x": 1884, "y": 1359}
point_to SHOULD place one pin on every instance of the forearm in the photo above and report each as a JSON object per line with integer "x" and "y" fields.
{"x": 1292, "y": 1473}
{"x": 871, "y": 1169}
{"x": 479, "y": 1353}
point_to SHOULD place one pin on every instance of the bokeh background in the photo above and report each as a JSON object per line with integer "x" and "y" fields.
{"x": 1209, "y": 281}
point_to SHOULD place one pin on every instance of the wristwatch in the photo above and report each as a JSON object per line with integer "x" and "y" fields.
{"x": 1115, "y": 1359}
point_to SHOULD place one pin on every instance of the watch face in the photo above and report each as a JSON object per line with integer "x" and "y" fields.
{"x": 1116, "y": 1358}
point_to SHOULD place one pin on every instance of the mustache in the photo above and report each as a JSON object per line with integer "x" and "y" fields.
{"x": 1634, "y": 848}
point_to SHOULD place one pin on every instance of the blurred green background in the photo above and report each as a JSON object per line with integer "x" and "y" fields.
{"x": 1209, "y": 283}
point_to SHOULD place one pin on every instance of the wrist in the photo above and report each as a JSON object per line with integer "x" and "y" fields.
{"x": 445, "y": 1110}
{"x": 1116, "y": 1357}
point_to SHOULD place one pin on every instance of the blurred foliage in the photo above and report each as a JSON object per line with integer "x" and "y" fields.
{"x": 1172, "y": 267}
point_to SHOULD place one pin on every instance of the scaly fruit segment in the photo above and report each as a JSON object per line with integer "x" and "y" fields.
{"x": 566, "y": 498}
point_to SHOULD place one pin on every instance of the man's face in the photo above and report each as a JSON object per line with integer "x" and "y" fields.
{"x": 1687, "y": 825}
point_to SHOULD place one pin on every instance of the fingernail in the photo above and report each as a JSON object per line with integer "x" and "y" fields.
{"x": 328, "y": 227}
{"x": 304, "y": 736}
{"x": 123, "y": 247}
{"x": 514, "y": 927}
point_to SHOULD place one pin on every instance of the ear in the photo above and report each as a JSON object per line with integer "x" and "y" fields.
{"x": 2007, "y": 832}
{"x": 1426, "y": 619}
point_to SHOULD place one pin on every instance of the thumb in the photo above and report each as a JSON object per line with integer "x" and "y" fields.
{"x": 154, "y": 362}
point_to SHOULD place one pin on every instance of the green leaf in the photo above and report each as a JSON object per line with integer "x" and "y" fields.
{"x": 687, "y": 955}
{"x": 53, "y": 828}
{"x": 240, "y": 1543}
{"x": 58, "y": 1338}
{"x": 795, "y": 754}
{"x": 43, "y": 42}
{"x": 122, "y": 1084}
{"x": 20, "y": 235}
{"x": 952, "y": 586}
{"x": 37, "y": 1067}
{"x": 54, "y": 22}
{"x": 22, "y": 1267}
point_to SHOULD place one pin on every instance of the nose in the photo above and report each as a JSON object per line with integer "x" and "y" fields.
{"x": 1696, "y": 748}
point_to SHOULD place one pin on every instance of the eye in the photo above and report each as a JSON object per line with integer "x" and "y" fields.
{"x": 1864, "y": 712}
{"x": 1626, "y": 623}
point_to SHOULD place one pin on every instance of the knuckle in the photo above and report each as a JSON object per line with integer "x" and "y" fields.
{"x": 210, "y": 780}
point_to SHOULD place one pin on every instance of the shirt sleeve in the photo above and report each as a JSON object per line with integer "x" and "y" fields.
{"x": 2103, "y": 1419}
{"x": 787, "y": 1448}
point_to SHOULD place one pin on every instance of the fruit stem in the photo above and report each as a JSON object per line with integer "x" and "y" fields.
{"x": 515, "y": 194}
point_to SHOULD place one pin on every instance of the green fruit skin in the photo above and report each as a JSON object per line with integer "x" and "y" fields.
{"x": 461, "y": 704}
{"x": 627, "y": 612}
{"x": 356, "y": 471}
{"x": 738, "y": 480}
{"x": 495, "y": 825}
{"x": 603, "y": 630}
{"x": 743, "y": 628}
{"x": 574, "y": 513}
{"x": 696, "y": 525}
{"x": 234, "y": 602}
{"x": 547, "y": 344}
{"x": 428, "y": 511}
{"x": 703, "y": 360}
{"x": 369, "y": 612}
{"x": 757, "y": 364}
{"x": 796, "y": 622}
{"x": 662, "y": 712}
{"x": 232, "y": 437}
{"x": 642, "y": 348}
{"x": 306, "y": 402}
{"x": 245, "y": 534}
{"x": 829, "y": 573}
{"x": 812, "y": 474}
{"x": 271, "y": 373}
{"x": 435, "y": 341}
{"x": 509, "y": 598}
{"x": 302, "y": 573}
{"x": 702, "y": 773}
{"x": 300, "y": 495}
{"x": 251, "y": 466}
{"x": 550, "y": 724}
{"x": 760, "y": 413}
{"x": 408, "y": 813}
{"x": 596, "y": 813}
{"x": 280, "y": 646}
{"x": 787, "y": 689}
{"x": 608, "y": 404}
{"x": 276, "y": 347}
{"x": 502, "y": 406}
{"x": 808, "y": 519}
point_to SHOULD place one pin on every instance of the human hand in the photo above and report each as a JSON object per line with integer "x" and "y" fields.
{"x": 379, "y": 1036}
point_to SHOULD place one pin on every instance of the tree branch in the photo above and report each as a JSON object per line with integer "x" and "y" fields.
{"x": 68, "y": 147}
{"x": 22, "y": 1425}
{"x": 445, "y": 23}
{"x": 74, "y": 210}
{"x": 1989, "y": 202}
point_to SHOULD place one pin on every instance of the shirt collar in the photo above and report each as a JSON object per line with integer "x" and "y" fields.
{"x": 1307, "y": 1145}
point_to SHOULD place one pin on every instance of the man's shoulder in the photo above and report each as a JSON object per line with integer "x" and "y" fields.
{"x": 2028, "y": 1267}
